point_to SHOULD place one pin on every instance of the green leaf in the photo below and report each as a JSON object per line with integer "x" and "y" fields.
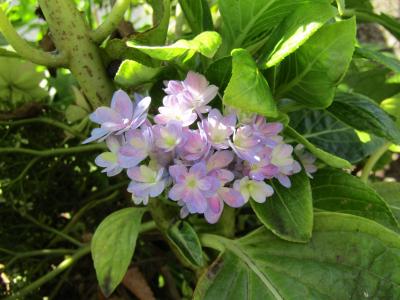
{"x": 379, "y": 57}
{"x": 186, "y": 241}
{"x": 206, "y": 43}
{"x": 310, "y": 75}
{"x": 289, "y": 212}
{"x": 390, "y": 191}
{"x": 248, "y": 90}
{"x": 161, "y": 15}
{"x": 328, "y": 158}
{"x": 220, "y": 72}
{"x": 338, "y": 191}
{"x": 75, "y": 113}
{"x": 132, "y": 73}
{"x": 328, "y": 133}
{"x": 348, "y": 257}
{"x": 248, "y": 22}
{"x": 392, "y": 107}
{"x": 362, "y": 113}
{"x": 113, "y": 245}
{"x": 198, "y": 15}
{"x": 295, "y": 30}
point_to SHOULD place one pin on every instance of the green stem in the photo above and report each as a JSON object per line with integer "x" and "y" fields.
{"x": 25, "y": 171}
{"x": 86, "y": 207}
{"x": 24, "y": 49}
{"x": 45, "y": 120}
{"x": 212, "y": 241}
{"x": 148, "y": 226}
{"x": 111, "y": 23}
{"x": 52, "y": 230}
{"x": 42, "y": 252}
{"x": 70, "y": 33}
{"x": 65, "y": 264}
{"x": 53, "y": 152}
{"x": 372, "y": 160}
{"x": 164, "y": 216}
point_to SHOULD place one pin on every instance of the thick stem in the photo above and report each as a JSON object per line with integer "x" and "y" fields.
{"x": 44, "y": 120}
{"x": 65, "y": 264}
{"x": 372, "y": 160}
{"x": 25, "y": 50}
{"x": 70, "y": 34}
{"x": 111, "y": 23}
{"x": 53, "y": 152}
{"x": 163, "y": 216}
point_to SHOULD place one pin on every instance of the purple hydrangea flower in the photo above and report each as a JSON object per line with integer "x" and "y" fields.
{"x": 282, "y": 158}
{"x": 175, "y": 109}
{"x": 246, "y": 144}
{"x": 198, "y": 92}
{"x": 195, "y": 146}
{"x": 146, "y": 182}
{"x": 122, "y": 116}
{"x": 267, "y": 132}
{"x": 168, "y": 137}
{"x": 109, "y": 160}
{"x": 219, "y": 128}
{"x": 139, "y": 143}
{"x": 306, "y": 159}
{"x": 192, "y": 186}
{"x": 259, "y": 191}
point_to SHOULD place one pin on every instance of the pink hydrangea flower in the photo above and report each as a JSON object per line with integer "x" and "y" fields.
{"x": 306, "y": 159}
{"x": 259, "y": 191}
{"x": 282, "y": 158}
{"x": 146, "y": 182}
{"x": 198, "y": 92}
{"x": 122, "y": 116}
{"x": 246, "y": 144}
{"x": 175, "y": 109}
{"x": 139, "y": 143}
{"x": 109, "y": 160}
{"x": 192, "y": 186}
{"x": 168, "y": 137}
{"x": 196, "y": 145}
{"x": 267, "y": 132}
{"x": 218, "y": 128}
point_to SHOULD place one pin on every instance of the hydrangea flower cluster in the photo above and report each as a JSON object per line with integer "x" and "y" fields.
{"x": 205, "y": 158}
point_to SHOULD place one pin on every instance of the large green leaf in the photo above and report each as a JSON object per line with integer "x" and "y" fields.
{"x": 390, "y": 191}
{"x": 158, "y": 33}
{"x": 132, "y": 73}
{"x": 310, "y": 75}
{"x": 338, "y": 191}
{"x": 392, "y": 106}
{"x": 248, "y": 22}
{"x": 362, "y": 113}
{"x": 248, "y": 90}
{"x": 379, "y": 57}
{"x": 328, "y": 158}
{"x": 220, "y": 72}
{"x": 289, "y": 212}
{"x": 328, "y": 133}
{"x": 186, "y": 241}
{"x": 19, "y": 83}
{"x": 206, "y": 43}
{"x": 113, "y": 245}
{"x": 348, "y": 257}
{"x": 198, "y": 15}
{"x": 295, "y": 30}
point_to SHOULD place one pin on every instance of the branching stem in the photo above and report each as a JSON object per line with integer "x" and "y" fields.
{"x": 372, "y": 160}
{"x": 53, "y": 152}
{"x": 111, "y": 23}
{"x": 25, "y": 50}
